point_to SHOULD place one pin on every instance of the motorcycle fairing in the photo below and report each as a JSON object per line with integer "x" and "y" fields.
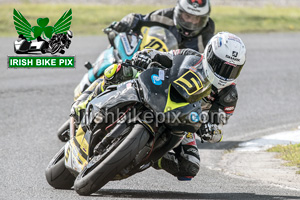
{"x": 164, "y": 98}
{"x": 77, "y": 151}
{"x": 171, "y": 105}
{"x": 155, "y": 95}
{"x": 127, "y": 45}
{"x": 185, "y": 84}
{"x": 158, "y": 96}
{"x": 192, "y": 83}
{"x": 125, "y": 94}
{"x": 179, "y": 120}
{"x": 152, "y": 42}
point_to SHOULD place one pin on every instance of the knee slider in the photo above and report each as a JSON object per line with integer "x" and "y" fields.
{"x": 188, "y": 168}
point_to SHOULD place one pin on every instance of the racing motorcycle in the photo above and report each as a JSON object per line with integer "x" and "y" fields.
{"x": 59, "y": 42}
{"x": 122, "y": 47}
{"x": 105, "y": 148}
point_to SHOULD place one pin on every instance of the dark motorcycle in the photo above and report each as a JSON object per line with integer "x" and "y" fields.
{"x": 122, "y": 47}
{"x": 59, "y": 42}
{"x": 115, "y": 146}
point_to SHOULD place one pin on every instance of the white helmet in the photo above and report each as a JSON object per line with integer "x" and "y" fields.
{"x": 224, "y": 58}
{"x": 69, "y": 34}
{"x": 191, "y": 16}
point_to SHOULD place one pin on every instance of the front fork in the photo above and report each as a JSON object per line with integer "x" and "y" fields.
{"x": 72, "y": 127}
{"x": 173, "y": 141}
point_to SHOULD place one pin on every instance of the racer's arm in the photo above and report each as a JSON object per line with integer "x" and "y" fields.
{"x": 144, "y": 57}
{"x": 131, "y": 21}
{"x": 128, "y": 22}
{"x": 222, "y": 108}
{"x": 224, "y": 105}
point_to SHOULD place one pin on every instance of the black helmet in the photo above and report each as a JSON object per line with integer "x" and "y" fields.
{"x": 191, "y": 16}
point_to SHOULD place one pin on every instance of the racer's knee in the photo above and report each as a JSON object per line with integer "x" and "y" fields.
{"x": 189, "y": 159}
{"x": 180, "y": 167}
{"x": 188, "y": 168}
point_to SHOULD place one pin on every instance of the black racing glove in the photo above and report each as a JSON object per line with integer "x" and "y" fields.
{"x": 210, "y": 132}
{"x": 121, "y": 26}
{"x": 141, "y": 59}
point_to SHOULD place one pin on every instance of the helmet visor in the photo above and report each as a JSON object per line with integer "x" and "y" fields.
{"x": 190, "y": 22}
{"x": 223, "y": 69}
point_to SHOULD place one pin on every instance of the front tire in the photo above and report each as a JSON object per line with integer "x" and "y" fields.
{"x": 91, "y": 180}
{"x": 55, "y": 48}
{"x": 57, "y": 175}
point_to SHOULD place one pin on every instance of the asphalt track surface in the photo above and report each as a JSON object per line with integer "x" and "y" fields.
{"x": 35, "y": 102}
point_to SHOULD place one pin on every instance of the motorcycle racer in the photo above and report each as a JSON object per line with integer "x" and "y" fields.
{"x": 61, "y": 41}
{"x": 222, "y": 60}
{"x": 189, "y": 21}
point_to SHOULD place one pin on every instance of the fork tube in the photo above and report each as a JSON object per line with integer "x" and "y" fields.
{"x": 72, "y": 127}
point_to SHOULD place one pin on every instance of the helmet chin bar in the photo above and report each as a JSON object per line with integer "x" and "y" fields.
{"x": 190, "y": 33}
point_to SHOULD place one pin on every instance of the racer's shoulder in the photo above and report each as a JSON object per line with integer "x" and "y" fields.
{"x": 163, "y": 16}
{"x": 189, "y": 51}
{"x": 209, "y": 28}
{"x": 167, "y": 12}
{"x": 229, "y": 94}
{"x": 228, "y": 88}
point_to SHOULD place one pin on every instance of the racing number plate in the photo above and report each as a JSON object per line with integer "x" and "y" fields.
{"x": 190, "y": 82}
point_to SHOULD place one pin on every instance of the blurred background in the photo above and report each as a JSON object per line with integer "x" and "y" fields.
{"x": 90, "y": 17}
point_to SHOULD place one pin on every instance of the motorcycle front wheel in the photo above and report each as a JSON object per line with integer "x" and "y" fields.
{"x": 55, "y": 48}
{"x": 57, "y": 175}
{"x": 95, "y": 176}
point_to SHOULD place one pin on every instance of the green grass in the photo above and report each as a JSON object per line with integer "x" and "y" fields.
{"x": 91, "y": 19}
{"x": 290, "y": 153}
{"x": 87, "y": 19}
{"x": 254, "y": 19}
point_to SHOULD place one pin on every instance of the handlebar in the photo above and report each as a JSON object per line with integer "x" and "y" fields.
{"x": 128, "y": 63}
{"x": 157, "y": 64}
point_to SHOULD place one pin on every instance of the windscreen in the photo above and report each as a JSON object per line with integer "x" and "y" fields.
{"x": 158, "y": 38}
